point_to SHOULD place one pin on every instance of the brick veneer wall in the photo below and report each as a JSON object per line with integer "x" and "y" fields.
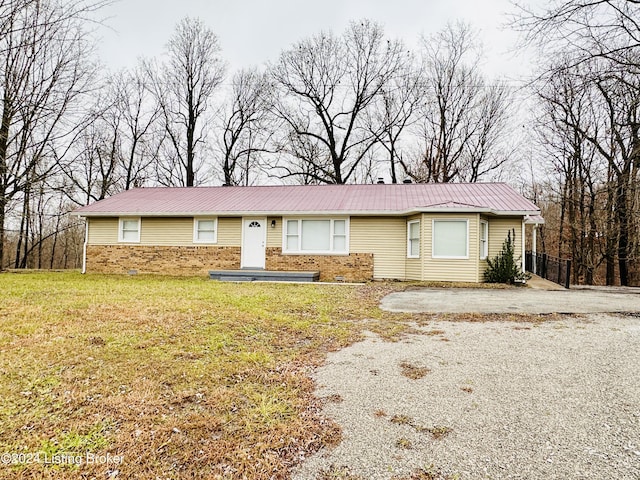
{"x": 355, "y": 267}
{"x": 196, "y": 260}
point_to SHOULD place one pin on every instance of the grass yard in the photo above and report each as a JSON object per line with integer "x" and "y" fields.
{"x": 152, "y": 377}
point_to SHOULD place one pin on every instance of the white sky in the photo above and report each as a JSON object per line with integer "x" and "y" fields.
{"x": 253, "y": 32}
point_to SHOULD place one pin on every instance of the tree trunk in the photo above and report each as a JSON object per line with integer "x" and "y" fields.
{"x": 2, "y": 215}
{"x": 7, "y": 114}
{"x": 591, "y": 239}
{"x": 191, "y": 127}
{"x": 611, "y": 239}
{"x": 623, "y": 227}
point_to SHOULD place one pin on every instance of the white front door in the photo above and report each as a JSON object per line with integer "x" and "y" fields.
{"x": 254, "y": 239}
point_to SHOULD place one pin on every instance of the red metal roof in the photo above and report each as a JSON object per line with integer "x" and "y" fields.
{"x": 380, "y": 199}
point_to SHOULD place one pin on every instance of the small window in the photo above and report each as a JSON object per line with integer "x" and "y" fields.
{"x": 339, "y": 235}
{"x": 484, "y": 239}
{"x": 291, "y": 241}
{"x": 450, "y": 239}
{"x": 413, "y": 239}
{"x": 205, "y": 230}
{"x": 316, "y": 236}
{"x": 129, "y": 230}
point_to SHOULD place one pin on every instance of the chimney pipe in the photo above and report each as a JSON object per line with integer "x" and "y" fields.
{"x": 380, "y": 180}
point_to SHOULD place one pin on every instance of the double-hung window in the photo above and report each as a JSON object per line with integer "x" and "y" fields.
{"x": 205, "y": 230}
{"x": 450, "y": 239}
{"x": 484, "y": 239}
{"x": 413, "y": 239}
{"x": 323, "y": 236}
{"x": 129, "y": 230}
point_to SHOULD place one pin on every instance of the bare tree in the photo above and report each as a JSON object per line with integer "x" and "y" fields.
{"x": 139, "y": 126}
{"x": 606, "y": 29}
{"x": 569, "y": 114}
{"x": 464, "y": 117}
{"x": 184, "y": 86}
{"x": 326, "y": 85}
{"x": 44, "y": 71}
{"x": 245, "y": 132}
{"x": 594, "y": 120}
{"x": 395, "y": 110}
{"x": 93, "y": 172}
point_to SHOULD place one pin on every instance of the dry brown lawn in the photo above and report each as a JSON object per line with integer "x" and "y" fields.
{"x": 157, "y": 377}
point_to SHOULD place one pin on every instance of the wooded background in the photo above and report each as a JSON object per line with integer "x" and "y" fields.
{"x": 336, "y": 107}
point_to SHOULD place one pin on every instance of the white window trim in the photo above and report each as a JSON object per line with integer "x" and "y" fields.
{"x": 409, "y": 223}
{"x": 196, "y": 220}
{"x": 315, "y": 252}
{"x": 121, "y": 221}
{"x": 485, "y": 254}
{"x": 433, "y": 238}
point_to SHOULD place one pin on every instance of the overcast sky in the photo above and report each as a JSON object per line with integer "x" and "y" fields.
{"x": 253, "y": 32}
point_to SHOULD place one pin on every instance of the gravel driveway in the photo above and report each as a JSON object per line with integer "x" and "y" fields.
{"x": 552, "y": 400}
{"x": 513, "y": 300}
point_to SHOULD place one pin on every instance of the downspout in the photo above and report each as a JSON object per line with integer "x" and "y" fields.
{"x": 524, "y": 251}
{"x": 84, "y": 246}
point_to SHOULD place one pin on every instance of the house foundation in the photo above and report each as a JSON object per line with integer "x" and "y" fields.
{"x": 199, "y": 260}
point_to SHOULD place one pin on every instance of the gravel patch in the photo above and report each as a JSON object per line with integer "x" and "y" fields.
{"x": 497, "y": 400}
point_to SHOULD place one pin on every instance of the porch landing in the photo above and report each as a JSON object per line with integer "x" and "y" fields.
{"x": 251, "y": 275}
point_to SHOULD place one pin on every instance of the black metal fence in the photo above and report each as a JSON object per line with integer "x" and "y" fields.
{"x": 552, "y": 268}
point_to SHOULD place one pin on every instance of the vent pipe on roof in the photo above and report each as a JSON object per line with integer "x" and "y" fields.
{"x": 406, "y": 180}
{"x": 380, "y": 180}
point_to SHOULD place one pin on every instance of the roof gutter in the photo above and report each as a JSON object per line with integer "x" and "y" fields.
{"x": 369, "y": 213}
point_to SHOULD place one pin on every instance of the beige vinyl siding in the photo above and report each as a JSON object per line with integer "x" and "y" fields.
{"x": 413, "y": 269}
{"x": 386, "y": 238}
{"x": 164, "y": 231}
{"x": 103, "y": 231}
{"x": 445, "y": 269}
{"x": 498, "y": 231}
{"x": 274, "y": 235}
{"x": 179, "y": 232}
{"x": 229, "y": 231}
